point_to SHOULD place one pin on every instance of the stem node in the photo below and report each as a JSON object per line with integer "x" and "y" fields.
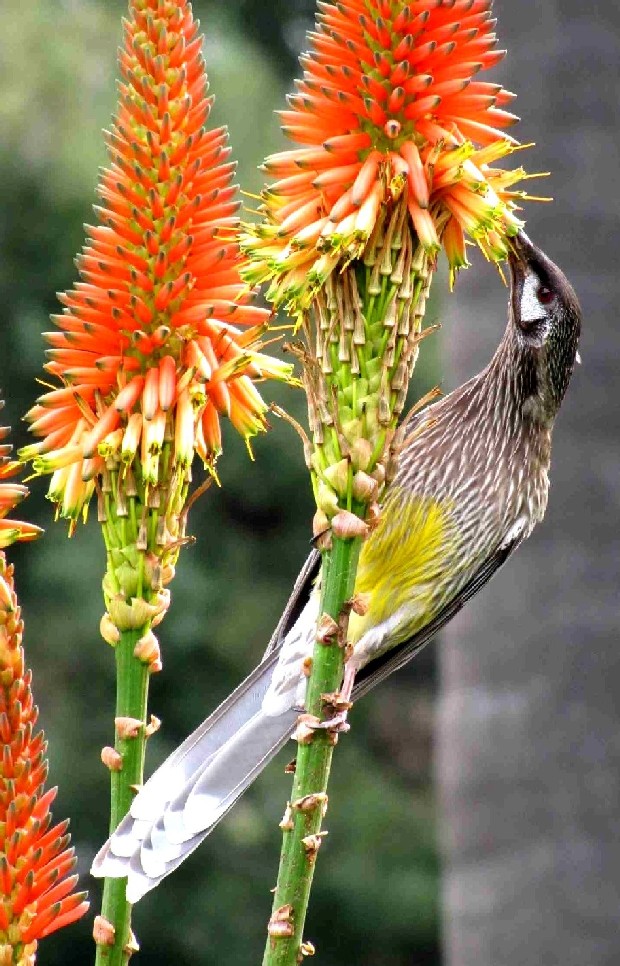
{"x": 111, "y": 758}
{"x": 306, "y": 728}
{"x": 103, "y": 931}
{"x": 281, "y": 925}
{"x": 127, "y": 727}
{"x": 327, "y": 630}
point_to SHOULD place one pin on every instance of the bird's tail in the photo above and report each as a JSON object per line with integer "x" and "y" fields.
{"x": 196, "y": 786}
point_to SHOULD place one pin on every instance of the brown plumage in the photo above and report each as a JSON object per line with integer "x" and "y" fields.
{"x": 472, "y": 484}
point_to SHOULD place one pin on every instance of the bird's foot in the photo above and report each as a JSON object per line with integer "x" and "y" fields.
{"x": 337, "y": 707}
{"x": 337, "y": 724}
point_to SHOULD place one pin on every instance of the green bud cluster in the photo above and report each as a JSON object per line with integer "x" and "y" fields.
{"x": 362, "y": 336}
{"x": 144, "y": 528}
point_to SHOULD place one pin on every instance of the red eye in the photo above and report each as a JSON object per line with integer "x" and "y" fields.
{"x": 545, "y": 295}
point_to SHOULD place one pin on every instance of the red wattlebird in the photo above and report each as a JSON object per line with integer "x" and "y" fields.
{"x": 472, "y": 484}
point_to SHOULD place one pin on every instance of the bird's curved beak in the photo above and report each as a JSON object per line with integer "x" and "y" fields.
{"x": 519, "y": 256}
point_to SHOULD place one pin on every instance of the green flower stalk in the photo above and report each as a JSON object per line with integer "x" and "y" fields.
{"x": 398, "y": 142}
{"x": 157, "y": 342}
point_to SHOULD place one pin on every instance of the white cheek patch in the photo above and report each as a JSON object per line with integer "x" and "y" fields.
{"x": 531, "y": 309}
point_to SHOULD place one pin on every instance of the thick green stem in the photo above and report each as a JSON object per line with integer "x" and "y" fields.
{"x": 302, "y": 823}
{"x": 131, "y": 702}
{"x": 362, "y": 336}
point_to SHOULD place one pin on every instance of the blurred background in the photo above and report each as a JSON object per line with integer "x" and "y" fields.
{"x": 496, "y": 755}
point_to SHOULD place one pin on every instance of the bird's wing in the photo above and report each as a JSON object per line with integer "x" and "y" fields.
{"x": 378, "y": 670}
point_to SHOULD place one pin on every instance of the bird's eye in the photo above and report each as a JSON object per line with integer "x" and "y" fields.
{"x": 544, "y": 295}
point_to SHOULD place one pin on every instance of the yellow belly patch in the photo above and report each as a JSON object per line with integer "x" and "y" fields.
{"x": 405, "y": 560}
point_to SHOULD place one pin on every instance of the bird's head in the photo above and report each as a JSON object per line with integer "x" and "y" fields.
{"x": 546, "y": 320}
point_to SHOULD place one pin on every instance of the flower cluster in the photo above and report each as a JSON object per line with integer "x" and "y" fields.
{"x": 36, "y": 887}
{"x": 157, "y": 339}
{"x": 37, "y": 896}
{"x": 387, "y": 107}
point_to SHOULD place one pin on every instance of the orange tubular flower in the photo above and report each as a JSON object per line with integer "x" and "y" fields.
{"x": 387, "y": 105}
{"x": 11, "y": 494}
{"x": 159, "y": 331}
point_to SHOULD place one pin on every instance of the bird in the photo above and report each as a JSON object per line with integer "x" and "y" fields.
{"x": 471, "y": 485}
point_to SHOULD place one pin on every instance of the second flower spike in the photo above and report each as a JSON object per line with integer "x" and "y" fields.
{"x": 158, "y": 339}
{"x": 157, "y": 342}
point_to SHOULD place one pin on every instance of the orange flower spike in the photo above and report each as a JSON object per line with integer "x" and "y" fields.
{"x": 384, "y": 84}
{"x": 158, "y": 265}
{"x": 36, "y": 888}
{"x": 36, "y": 885}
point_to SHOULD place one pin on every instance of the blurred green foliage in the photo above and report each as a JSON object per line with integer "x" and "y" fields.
{"x": 376, "y": 896}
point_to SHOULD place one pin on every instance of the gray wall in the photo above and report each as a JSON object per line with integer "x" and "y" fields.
{"x": 529, "y": 714}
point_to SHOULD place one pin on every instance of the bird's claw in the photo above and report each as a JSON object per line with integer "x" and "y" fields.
{"x": 337, "y": 724}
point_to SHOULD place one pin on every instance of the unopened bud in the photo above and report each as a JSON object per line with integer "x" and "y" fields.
{"x": 326, "y": 499}
{"x": 346, "y": 525}
{"x": 133, "y": 615}
{"x": 127, "y": 577}
{"x": 320, "y": 524}
{"x": 361, "y": 454}
{"x": 6, "y": 599}
{"x": 338, "y": 476}
{"x": 324, "y": 541}
{"x": 365, "y": 487}
{"x": 307, "y": 948}
{"x": 352, "y": 430}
